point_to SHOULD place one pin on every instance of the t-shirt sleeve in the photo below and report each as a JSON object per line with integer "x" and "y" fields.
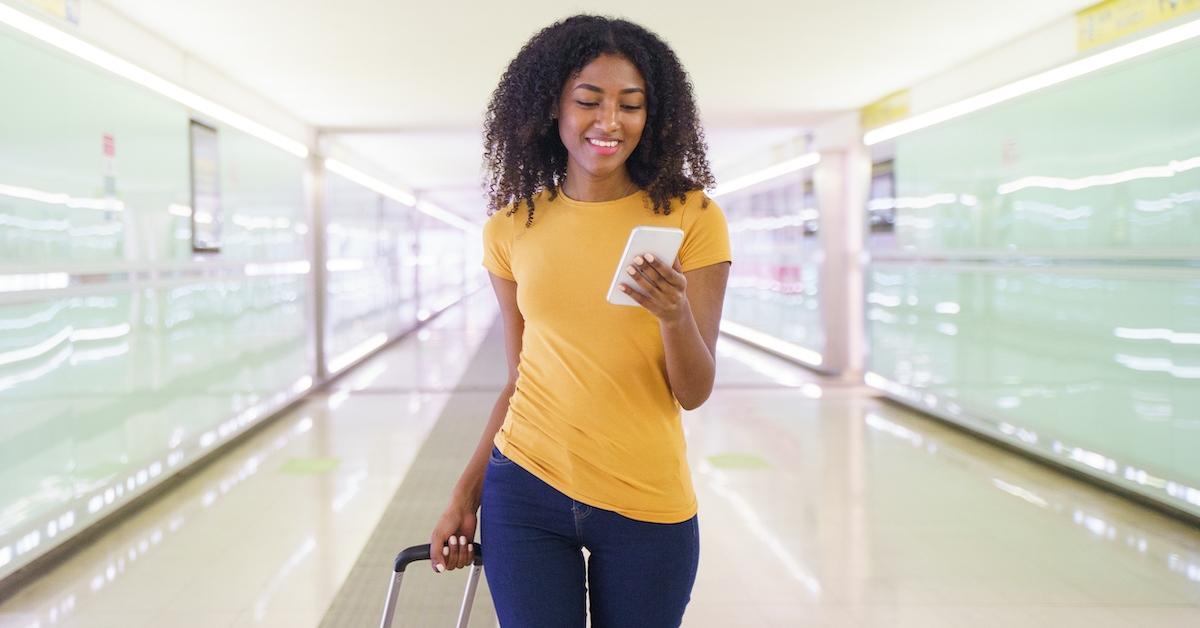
{"x": 705, "y": 237}
{"x": 497, "y": 245}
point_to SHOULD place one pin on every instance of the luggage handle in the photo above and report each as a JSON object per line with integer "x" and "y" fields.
{"x": 418, "y": 553}
{"x": 421, "y": 552}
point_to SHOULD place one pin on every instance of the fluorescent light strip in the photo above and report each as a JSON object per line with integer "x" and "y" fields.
{"x": 923, "y": 202}
{"x": 795, "y": 164}
{"x": 1169, "y": 335}
{"x": 782, "y": 347}
{"x": 396, "y": 194}
{"x": 34, "y": 281}
{"x": 774, "y": 222}
{"x": 1171, "y": 169}
{"x": 1074, "y": 69}
{"x": 297, "y": 267}
{"x": 58, "y": 198}
{"x": 69, "y": 43}
{"x": 341, "y": 265}
{"x": 449, "y": 218}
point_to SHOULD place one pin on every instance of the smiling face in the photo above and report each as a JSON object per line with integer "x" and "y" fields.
{"x": 601, "y": 115}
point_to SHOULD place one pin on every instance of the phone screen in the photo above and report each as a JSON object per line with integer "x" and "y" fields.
{"x": 661, "y": 242}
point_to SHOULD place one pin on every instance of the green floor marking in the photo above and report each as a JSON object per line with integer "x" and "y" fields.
{"x": 309, "y": 466}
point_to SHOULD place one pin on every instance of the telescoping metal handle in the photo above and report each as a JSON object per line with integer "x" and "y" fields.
{"x": 421, "y": 552}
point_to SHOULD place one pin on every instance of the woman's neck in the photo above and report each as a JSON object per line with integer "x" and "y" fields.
{"x": 592, "y": 190}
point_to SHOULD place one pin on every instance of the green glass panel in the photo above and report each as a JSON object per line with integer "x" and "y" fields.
{"x": 1043, "y": 283}
{"x": 441, "y": 265}
{"x": 774, "y": 283}
{"x": 157, "y": 354}
{"x": 371, "y": 270}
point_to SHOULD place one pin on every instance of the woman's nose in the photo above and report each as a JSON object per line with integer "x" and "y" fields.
{"x": 607, "y": 118}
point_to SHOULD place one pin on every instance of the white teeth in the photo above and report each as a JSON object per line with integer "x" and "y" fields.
{"x": 604, "y": 144}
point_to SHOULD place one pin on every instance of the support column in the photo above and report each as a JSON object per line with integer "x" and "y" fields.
{"x": 314, "y": 193}
{"x": 842, "y": 181}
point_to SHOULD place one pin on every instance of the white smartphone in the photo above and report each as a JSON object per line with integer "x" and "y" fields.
{"x": 661, "y": 242}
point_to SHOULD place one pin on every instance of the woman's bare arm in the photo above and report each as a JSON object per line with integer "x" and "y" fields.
{"x": 690, "y": 341}
{"x": 688, "y": 306}
{"x": 459, "y": 517}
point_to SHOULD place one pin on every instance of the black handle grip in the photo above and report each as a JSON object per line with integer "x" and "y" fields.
{"x": 421, "y": 552}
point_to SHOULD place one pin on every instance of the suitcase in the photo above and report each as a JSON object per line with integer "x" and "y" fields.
{"x": 419, "y": 553}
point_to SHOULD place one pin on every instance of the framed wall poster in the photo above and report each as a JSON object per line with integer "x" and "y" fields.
{"x": 206, "y": 188}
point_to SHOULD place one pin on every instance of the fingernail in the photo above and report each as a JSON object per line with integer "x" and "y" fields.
{"x": 445, "y": 551}
{"x": 454, "y": 540}
{"x": 441, "y": 568}
{"x": 462, "y": 540}
{"x": 649, "y": 258}
{"x": 638, "y": 260}
{"x": 630, "y": 270}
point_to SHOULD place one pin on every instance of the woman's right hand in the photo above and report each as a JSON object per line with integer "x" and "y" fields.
{"x": 451, "y": 544}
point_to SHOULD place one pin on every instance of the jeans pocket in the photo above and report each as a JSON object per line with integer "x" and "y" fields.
{"x": 498, "y": 458}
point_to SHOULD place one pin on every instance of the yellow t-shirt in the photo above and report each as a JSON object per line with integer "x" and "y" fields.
{"x": 593, "y": 414}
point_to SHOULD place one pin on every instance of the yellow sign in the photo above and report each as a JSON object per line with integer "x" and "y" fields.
{"x": 1109, "y": 21}
{"x": 54, "y": 7}
{"x": 64, "y": 9}
{"x": 886, "y": 110}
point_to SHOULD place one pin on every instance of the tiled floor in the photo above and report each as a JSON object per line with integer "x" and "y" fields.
{"x": 845, "y": 510}
{"x": 820, "y": 506}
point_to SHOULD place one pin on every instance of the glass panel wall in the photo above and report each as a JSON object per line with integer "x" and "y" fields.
{"x": 774, "y": 285}
{"x": 1043, "y": 285}
{"x": 441, "y": 266}
{"x": 124, "y": 355}
{"x": 370, "y": 285}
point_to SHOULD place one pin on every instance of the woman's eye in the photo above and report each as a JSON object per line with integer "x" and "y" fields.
{"x": 582, "y": 103}
{"x": 631, "y": 107}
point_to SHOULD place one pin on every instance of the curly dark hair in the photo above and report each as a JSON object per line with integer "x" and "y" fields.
{"x": 523, "y": 154}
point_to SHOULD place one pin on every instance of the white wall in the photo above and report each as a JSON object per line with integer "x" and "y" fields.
{"x": 1045, "y": 48}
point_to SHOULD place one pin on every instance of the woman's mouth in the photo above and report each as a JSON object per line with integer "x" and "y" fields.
{"x": 603, "y": 147}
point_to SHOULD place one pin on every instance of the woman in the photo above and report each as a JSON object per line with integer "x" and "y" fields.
{"x": 592, "y": 131}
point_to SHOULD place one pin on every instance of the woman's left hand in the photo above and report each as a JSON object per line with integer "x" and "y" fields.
{"x": 660, "y": 289}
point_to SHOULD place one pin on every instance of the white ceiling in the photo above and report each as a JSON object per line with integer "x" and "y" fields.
{"x": 424, "y": 70}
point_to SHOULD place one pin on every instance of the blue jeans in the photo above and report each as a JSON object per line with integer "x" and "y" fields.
{"x": 639, "y": 574}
